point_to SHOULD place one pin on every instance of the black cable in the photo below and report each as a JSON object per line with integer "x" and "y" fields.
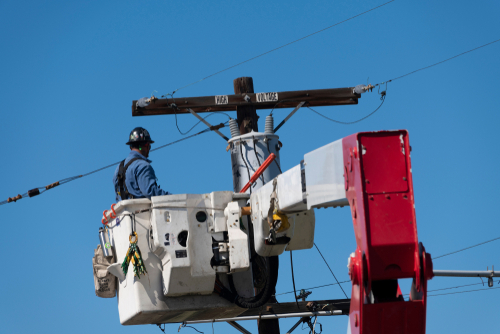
{"x": 452, "y": 287}
{"x": 267, "y": 291}
{"x": 443, "y": 61}
{"x": 315, "y": 287}
{"x": 269, "y": 152}
{"x": 330, "y": 270}
{"x": 280, "y": 47}
{"x": 184, "y": 325}
{"x": 293, "y": 281}
{"x": 246, "y": 165}
{"x": 277, "y": 103}
{"x": 211, "y": 114}
{"x": 460, "y": 250}
{"x": 258, "y": 160}
{"x": 359, "y": 120}
{"x": 453, "y": 293}
{"x": 63, "y": 181}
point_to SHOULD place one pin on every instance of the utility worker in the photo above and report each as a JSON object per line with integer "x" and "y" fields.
{"x": 134, "y": 177}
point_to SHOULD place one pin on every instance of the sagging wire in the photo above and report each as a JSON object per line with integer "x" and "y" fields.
{"x": 211, "y": 114}
{"x": 39, "y": 190}
{"x": 185, "y": 325}
{"x": 383, "y": 94}
{"x": 330, "y": 270}
{"x": 280, "y": 47}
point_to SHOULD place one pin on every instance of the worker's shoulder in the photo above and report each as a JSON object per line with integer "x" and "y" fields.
{"x": 139, "y": 164}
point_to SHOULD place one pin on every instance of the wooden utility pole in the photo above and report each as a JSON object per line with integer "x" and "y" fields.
{"x": 247, "y": 121}
{"x": 245, "y": 102}
{"x": 246, "y": 115}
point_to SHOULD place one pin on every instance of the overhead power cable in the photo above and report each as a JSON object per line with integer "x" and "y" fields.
{"x": 453, "y": 293}
{"x": 383, "y": 93}
{"x": 460, "y": 250}
{"x": 353, "y": 122}
{"x": 188, "y": 131}
{"x": 326, "y": 285}
{"x": 330, "y": 270}
{"x": 279, "y": 47}
{"x": 438, "y": 63}
{"x": 39, "y": 190}
{"x": 314, "y": 287}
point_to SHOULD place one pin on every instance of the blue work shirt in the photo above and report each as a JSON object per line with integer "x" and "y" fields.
{"x": 140, "y": 178}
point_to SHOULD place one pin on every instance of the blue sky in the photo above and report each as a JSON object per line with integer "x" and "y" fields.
{"x": 70, "y": 70}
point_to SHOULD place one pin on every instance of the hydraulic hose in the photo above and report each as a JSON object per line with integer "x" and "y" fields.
{"x": 266, "y": 292}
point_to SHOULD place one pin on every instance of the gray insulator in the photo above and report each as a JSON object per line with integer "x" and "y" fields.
{"x": 233, "y": 126}
{"x": 143, "y": 102}
{"x": 269, "y": 129}
{"x": 360, "y": 89}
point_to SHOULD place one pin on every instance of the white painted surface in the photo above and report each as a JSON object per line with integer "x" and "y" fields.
{"x": 186, "y": 269}
{"x": 303, "y": 234}
{"x": 290, "y": 191}
{"x": 141, "y": 301}
{"x": 243, "y": 155}
{"x": 324, "y": 176}
{"x": 239, "y": 255}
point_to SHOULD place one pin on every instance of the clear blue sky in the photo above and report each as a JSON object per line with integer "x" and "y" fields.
{"x": 70, "y": 70}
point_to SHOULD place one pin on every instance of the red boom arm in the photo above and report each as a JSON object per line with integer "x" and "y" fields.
{"x": 378, "y": 183}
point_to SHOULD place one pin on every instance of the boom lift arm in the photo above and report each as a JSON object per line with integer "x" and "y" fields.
{"x": 370, "y": 172}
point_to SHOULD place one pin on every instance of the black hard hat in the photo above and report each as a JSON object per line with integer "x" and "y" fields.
{"x": 139, "y": 135}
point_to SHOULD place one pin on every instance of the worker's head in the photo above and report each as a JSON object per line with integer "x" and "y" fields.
{"x": 140, "y": 141}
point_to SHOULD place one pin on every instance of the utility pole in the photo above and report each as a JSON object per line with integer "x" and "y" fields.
{"x": 245, "y": 102}
{"x": 246, "y": 115}
{"x": 247, "y": 121}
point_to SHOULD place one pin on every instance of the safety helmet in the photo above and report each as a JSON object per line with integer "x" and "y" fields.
{"x": 139, "y": 135}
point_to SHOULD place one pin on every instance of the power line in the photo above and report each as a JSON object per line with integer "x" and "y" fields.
{"x": 330, "y": 270}
{"x": 315, "y": 287}
{"x": 442, "y": 61}
{"x": 188, "y": 131}
{"x": 453, "y": 293}
{"x": 460, "y": 250}
{"x": 40, "y": 190}
{"x": 279, "y": 47}
{"x": 347, "y": 123}
{"x": 383, "y": 94}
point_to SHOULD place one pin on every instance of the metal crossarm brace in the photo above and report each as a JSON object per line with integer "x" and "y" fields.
{"x": 207, "y": 124}
{"x": 289, "y": 115}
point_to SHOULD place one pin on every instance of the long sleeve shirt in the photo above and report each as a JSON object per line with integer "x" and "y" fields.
{"x": 140, "y": 178}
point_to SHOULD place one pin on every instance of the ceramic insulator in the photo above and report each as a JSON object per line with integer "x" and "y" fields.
{"x": 269, "y": 129}
{"x": 233, "y": 126}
